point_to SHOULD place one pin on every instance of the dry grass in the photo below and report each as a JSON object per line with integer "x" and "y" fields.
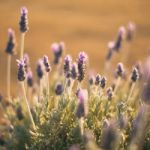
{"x": 82, "y": 25}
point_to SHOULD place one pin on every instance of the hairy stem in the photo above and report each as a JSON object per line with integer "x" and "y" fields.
{"x": 8, "y": 75}
{"x": 22, "y": 45}
{"x": 28, "y": 107}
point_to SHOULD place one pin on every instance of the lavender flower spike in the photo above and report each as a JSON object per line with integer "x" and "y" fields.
{"x": 119, "y": 70}
{"x": 30, "y": 78}
{"x": 130, "y": 31}
{"x": 67, "y": 65}
{"x": 57, "y": 49}
{"x": 121, "y": 35}
{"x": 82, "y": 62}
{"x": 46, "y": 63}
{"x": 111, "y": 46}
{"x": 24, "y": 20}
{"x": 97, "y": 79}
{"x": 59, "y": 89}
{"x": 74, "y": 71}
{"x": 134, "y": 75}
{"x": 82, "y": 108}
{"x": 21, "y": 70}
{"x": 39, "y": 69}
{"x": 11, "y": 44}
{"x": 103, "y": 82}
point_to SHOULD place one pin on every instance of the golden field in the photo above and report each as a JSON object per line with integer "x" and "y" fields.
{"x": 82, "y": 24}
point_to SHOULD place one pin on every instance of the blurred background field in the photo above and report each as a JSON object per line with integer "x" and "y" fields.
{"x": 82, "y": 24}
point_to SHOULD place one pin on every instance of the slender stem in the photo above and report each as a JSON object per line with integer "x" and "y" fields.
{"x": 28, "y": 107}
{"x": 117, "y": 84}
{"x": 131, "y": 91}
{"x": 8, "y": 75}
{"x": 22, "y": 45}
{"x": 41, "y": 90}
{"x": 81, "y": 125}
{"x": 48, "y": 85}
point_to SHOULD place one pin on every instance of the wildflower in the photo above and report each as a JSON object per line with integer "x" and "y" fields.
{"x": 57, "y": 49}
{"x": 59, "y": 89}
{"x": 130, "y": 31}
{"x": 46, "y": 63}
{"x": 118, "y": 43}
{"x": 74, "y": 71}
{"x": 82, "y": 108}
{"x": 111, "y": 46}
{"x": 30, "y": 78}
{"x": 103, "y": 82}
{"x": 67, "y": 66}
{"x": 135, "y": 75}
{"x": 19, "y": 113}
{"x": 26, "y": 61}
{"x": 97, "y": 79}
{"x": 21, "y": 70}
{"x": 119, "y": 70}
{"x": 110, "y": 93}
{"x": 109, "y": 136}
{"x": 11, "y": 44}
{"x": 82, "y": 62}
{"x": 39, "y": 69}
{"x": 91, "y": 80}
{"x": 24, "y": 20}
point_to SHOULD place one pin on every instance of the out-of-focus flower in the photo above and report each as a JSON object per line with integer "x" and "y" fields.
{"x": 119, "y": 70}
{"x": 26, "y": 61}
{"x": 134, "y": 75}
{"x": 91, "y": 80}
{"x": 82, "y": 62}
{"x": 30, "y": 78}
{"x": 46, "y": 63}
{"x": 59, "y": 89}
{"x": 24, "y": 20}
{"x": 130, "y": 31}
{"x": 74, "y": 71}
{"x": 39, "y": 69}
{"x": 110, "y": 93}
{"x": 111, "y": 46}
{"x": 67, "y": 66}
{"x": 57, "y": 49}
{"x": 103, "y": 82}
{"x": 21, "y": 70}
{"x": 82, "y": 109}
{"x": 11, "y": 44}
{"x": 120, "y": 37}
{"x": 97, "y": 79}
{"x": 19, "y": 113}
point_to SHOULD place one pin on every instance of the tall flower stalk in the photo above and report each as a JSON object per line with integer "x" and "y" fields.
{"x": 21, "y": 78}
{"x": 10, "y": 50}
{"x": 23, "y": 29}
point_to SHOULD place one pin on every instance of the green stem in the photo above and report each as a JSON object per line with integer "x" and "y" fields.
{"x": 117, "y": 84}
{"x": 131, "y": 91}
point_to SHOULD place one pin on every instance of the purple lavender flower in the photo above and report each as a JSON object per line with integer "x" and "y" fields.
{"x": 121, "y": 35}
{"x": 39, "y": 69}
{"x": 59, "y": 89}
{"x": 74, "y": 71}
{"x": 11, "y": 44}
{"x": 46, "y": 63}
{"x": 103, "y": 82}
{"x": 21, "y": 70}
{"x": 134, "y": 75}
{"x": 97, "y": 79}
{"x": 30, "y": 78}
{"x": 109, "y": 136}
{"x": 82, "y": 62}
{"x": 57, "y": 49}
{"x": 82, "y": 109}
{"x": 24, "y": 20}
{"x": 130, "y": 31}
{"x": 119, "y": 70}
{"x": 111, "y": 46}
{"x": 91, "y": 80}
{"x": 110, "y": 93}
{"x": 26, "y": 61}
{"x": 67, "y": 66}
